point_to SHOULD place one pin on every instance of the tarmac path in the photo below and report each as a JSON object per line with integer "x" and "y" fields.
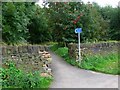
{"x": 67, "y": 76}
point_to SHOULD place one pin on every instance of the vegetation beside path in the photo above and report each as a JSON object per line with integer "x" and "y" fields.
{"x": 26, "y": 23}
{"x": 11, "y": 77}
{"x": 101, "y": 63}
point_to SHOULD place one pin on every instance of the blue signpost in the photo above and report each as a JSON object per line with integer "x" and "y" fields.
{"x": 79, "y": 30}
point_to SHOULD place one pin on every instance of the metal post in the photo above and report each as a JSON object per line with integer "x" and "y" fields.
{"x": 79, "y": 46}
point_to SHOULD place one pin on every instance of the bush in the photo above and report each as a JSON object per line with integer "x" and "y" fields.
{"x": 15, "y": 78}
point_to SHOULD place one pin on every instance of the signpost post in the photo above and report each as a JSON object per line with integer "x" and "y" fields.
{"x": 78, "y": 30}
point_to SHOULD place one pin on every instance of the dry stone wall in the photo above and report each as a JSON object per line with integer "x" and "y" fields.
{"x": 28, "y": 58}
{"x": 92, "y": 48}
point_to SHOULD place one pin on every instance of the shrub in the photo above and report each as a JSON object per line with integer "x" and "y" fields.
{"x": 15, "y": 78}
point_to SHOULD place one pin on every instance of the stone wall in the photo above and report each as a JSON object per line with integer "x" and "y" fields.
{"x": 28, "y": 58}
{"x": 93, "y": 48}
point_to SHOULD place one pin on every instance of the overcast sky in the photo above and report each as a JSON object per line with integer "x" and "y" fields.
{"x": 113, "y": 3}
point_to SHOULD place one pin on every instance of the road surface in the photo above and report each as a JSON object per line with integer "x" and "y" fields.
{"x": 67, "y": 76}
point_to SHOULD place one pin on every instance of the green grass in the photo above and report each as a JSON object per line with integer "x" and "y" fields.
{"x": 102, "y": 63}
{"x": 107, "y": 63}
{"x": 15, "y": 78}
{"x": 63, "y": 51}
{"x": 54, "y": 47}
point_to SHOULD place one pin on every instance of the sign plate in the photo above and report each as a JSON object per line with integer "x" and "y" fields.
{"x": 78, "y": 30}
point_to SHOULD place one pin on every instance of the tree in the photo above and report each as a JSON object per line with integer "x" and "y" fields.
{"x": 38, "y": 28}
{"x": 115, "y": 25}
{"x": 112, "y": 16}
{"x": 27, "y": 22}
{"x": 15, "y": 18}
{"x": 95, "y": 27}
{"x": 65, "y": 17}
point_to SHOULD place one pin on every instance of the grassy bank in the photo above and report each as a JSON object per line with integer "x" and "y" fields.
{"x": 107, "y": 63}
{"x": 103, "y": 63}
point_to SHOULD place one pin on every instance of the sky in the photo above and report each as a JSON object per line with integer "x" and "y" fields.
{"x": 113, "y": 3}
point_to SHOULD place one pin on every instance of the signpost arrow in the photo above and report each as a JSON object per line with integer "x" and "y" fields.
{"x": 79, "y": 30}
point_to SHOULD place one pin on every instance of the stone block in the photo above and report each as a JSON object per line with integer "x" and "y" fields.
{"x": 41, "y": 48}
{"x": 35, "y": 49}
{"x": 15, "y": 50}
{"x": 20, "y": 49}
{"x": 4, "y": 51}
{"x": 0, "y": 50}
{"x": 24, "y": 49}
{"x": 49, "y": 60}
{"x": 9, "y": 49}
{"x": 43, "y": 74}
{"x": 30, "y": 49}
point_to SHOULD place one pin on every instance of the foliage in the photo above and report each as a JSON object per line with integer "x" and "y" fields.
{"x": 65, "y": 17}
{"x": 15, "y": 18}
{"x": 62, "y": 51}
{"x": 26, "y": 22}
{"x": 103, "y": 63}
{"x": 62, "y": 15}
{"x": 38, "y": 28}
{"x": 112, "y": 15}
{"x": 115, "y": 25}
{"x": 106, "y": 63}
{"x": 95, "y": 27}
{"x": 54, "y": 47}
{"x": 15, "y": 78}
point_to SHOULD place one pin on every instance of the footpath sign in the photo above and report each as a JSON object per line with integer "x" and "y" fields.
{"x": 79, "y": 30}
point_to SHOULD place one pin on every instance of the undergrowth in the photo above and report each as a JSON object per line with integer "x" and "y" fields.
{"x": 11, "y": 77}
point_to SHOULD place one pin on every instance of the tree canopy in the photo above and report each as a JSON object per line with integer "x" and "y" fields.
{"x": 28, "y": 22}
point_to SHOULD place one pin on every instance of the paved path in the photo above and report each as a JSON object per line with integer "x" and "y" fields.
{"x": 67, "y": 76}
